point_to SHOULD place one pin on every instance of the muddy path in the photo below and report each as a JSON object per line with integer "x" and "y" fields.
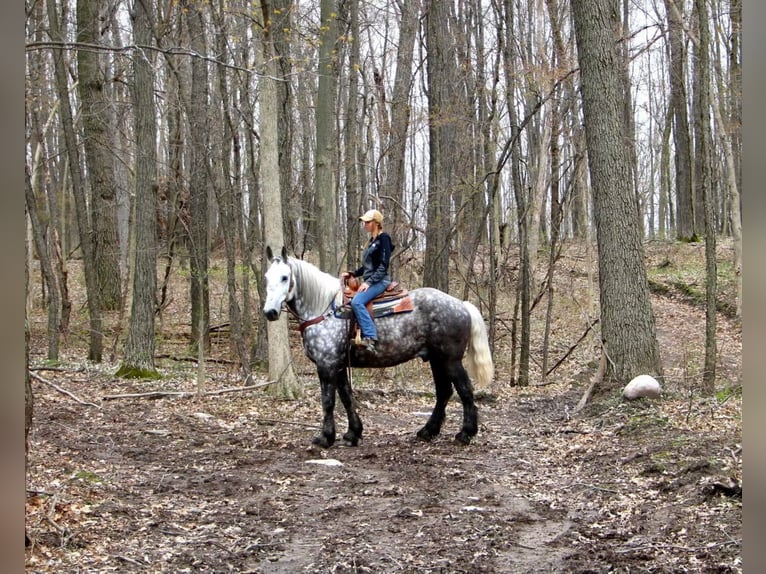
{"x": 230, "y": 484}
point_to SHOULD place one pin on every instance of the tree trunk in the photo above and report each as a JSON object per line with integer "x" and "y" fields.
{"x": 95, "y": 349}
{"x": 98, "y": 127}
{"x": 522, "y": 302}
{"x": 240, "y": 332}
{"x": 442, "y": 78}
{"x": 46, "y": 268}
{"x": 138, "y": 360}
{"x": 326, "y": 136}
{"x": 199, "y": 183}
{"x": 351, "y": 166}
{"x": 280, "y": 365}
{"x": 684, "y": 195}
{"x": 282, "y": 30}
{"x": 735, "y": 87}
{"x": 665, "y": 207}
{"x": 627, "y": 319}
{"x": 28, "y": 397}
{"x": 703, "y": 184}
{"x": 392, "y": 190}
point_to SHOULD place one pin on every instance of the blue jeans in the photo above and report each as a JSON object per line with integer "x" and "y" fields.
{"x": 358, "y": 303}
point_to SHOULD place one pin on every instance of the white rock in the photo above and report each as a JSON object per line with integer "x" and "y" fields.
{"x": 642, "y": 386}
{"x": 325, "y": 462}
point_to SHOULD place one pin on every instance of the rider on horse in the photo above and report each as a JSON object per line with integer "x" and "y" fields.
{"x": 374, "y": 270}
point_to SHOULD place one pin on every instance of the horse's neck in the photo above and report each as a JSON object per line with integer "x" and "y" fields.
{"x": 314, "y": 289}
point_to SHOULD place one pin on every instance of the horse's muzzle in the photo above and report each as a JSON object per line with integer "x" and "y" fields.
{"x": 271, "y": 314}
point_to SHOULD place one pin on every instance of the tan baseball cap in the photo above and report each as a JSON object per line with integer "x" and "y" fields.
{"x": 372, "y": 215}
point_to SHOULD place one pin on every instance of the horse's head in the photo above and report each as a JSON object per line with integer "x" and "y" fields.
{"x": 280, "y": 284}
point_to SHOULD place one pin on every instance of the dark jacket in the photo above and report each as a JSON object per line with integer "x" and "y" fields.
{"x": 375, "y": 259}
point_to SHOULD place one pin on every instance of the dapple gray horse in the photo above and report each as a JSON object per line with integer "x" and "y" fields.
{"x": 441, "y": 330}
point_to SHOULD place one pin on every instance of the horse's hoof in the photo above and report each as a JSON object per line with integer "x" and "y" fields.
{"x": 425, "y": 435}
{"x": 350, "y": 439}
{"x": 323, "y": 441}
{"x": 463, "y": 437}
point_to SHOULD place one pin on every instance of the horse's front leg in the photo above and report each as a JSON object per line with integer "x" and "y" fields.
{"x": 346, "y": 393}
{"x": 326, "y": 437}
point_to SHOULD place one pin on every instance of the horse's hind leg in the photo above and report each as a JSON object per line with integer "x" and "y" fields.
{"x": 464, "y": 389}
{"x": 354, "y": 433}
{"x": 443, "y": 393}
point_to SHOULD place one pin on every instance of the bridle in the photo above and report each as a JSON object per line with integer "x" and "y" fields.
{"x": 290, "y": 298}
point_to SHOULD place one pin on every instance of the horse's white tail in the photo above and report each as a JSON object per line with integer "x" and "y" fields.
{"x": 478, "y": 359}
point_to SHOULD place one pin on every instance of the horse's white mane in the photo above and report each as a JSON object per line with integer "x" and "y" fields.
{"x": 316, "y": 287}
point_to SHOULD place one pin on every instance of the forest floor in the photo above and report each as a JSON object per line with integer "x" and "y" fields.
{"x": 229, "y": 483}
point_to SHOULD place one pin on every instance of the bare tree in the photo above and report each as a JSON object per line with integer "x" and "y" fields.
{"x": 442, "y": 80}
{"x": 227, "y": 201}
{"x": 522, "y": 304}
{"x": 199, "y": 182}
{"x": 392, "y": 189}
{"x": 353, "y": 192}
{"x": 280, "y": 366}
{"x": 138, "y": 361}
{"x": 678, "y": 101}
{"x": 95, "y": 349}
{"x": 282, "y": 29}
{"x": 98, "y": 128}
{"x": 324, "y": 178}
{"x": 46, "y": 267}
{"x": 703, "y": 184}
{"x": 627, "y": 319}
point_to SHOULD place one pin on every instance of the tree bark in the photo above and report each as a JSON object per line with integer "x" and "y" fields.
{"x": 95, "y": 348}
{"x": 282, "y": 31}
{"x": 627, "y": 319}
{"x": 138, "y": 360}
{"x": 46, "y": 267}
{"x": 225, "y": 194}
{"x": 703, "y": 184}
{"x": 325, "y": 188}
{"x": 683, "y": 161}
{"x": 522, "y": 302}
{"x": 98, "y": 127}
{"x": 392, "y": 190}
{"x": 351, "y": 162}
{"x": 442, "y": 79}
{"x": 280, "y": 366}
{"x": 199, "y": 183}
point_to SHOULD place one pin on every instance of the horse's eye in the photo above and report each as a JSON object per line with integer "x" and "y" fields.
{"x": 285, "y": 278}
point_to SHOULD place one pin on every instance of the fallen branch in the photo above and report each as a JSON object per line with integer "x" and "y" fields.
{"x": 284, "y": 422}
{"x": 128, "y": 560}
{"x": 596, "y": 380}
{"x": 184, "y": 394}
{"x": 59, "y": 369}
{"x": 190, "y": 359}
{"x": 572, "y": 348}
{"x": 239, "y": 389}
{"x": 149, "y": 395}
{"x": 63, "y": 391}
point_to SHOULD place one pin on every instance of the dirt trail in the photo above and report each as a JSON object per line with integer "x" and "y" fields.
{"x": 208, "y": 486}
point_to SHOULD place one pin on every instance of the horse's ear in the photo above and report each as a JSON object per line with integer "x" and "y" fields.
{"x": 269, "y": 254}
{"x": 284, "y": 253}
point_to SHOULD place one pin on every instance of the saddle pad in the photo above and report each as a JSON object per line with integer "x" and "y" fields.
{"x": 379, "y": 308}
